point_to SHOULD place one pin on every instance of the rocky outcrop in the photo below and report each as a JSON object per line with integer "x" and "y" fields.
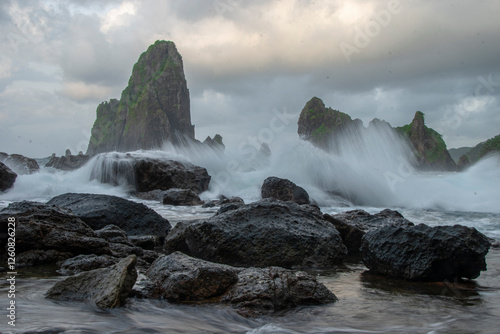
{"x": 184, "y": 197}
{"x": 429, "y": 146}
{"x": 154, "y": 107}
{"x": 483, "y": 149}
{"x": 423, "y": 253}
{"x": 147, "y": 174}
{"x": 99, "y": 211}
{"x": 19, "y": 164}
{"x": 265, "y": 290}
{"x": 223, "y": 200}
{"x": 106, "y": 287}
{"x": 463, "y": 163}
{"x": 284, "y": 190}
{"x": 352, "y": 225}
{"x": 215, "y": 142}
{"x": 7, "y": 177}
{"x": 46, "y": 233}
{"x": 265, "y": 233}
{"x": 81, "y": 263}
{"x": 181, "y": 278}
{"x": 68, "y": 162}
{"x": 320, "y": 125}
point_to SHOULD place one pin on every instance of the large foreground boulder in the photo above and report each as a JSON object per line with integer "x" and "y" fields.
{"x": 19, "y": 164}
{"x": 106, "y": 287}
{"x": 46, "y": 233}
{"x": 7, "y": 177}
{"x": 265, "y": 233}
{"x": 147, "y": 174}
{"x": 260, "y": 290}
{"x": 353, "y": 225}
{"x": 181, "y": 278}
{"x": 424, "y": 253}
{"x": 284, "y": 190}
{"x": 99, "y": 211}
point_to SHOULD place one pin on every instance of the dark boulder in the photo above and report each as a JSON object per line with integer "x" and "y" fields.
{"x": 106, "y": 287}
{"x": 7, "y": 177}
{"x": 223, "y": 200}
{"x": 265, "y": 233}
{"x": 113, "y": 233}
{"x": 145, "y": 241}
{"x": 99, "y": 211}
{"x": 352, "y": 225}
{"x": 284, "y": 190}
{"x": 80, "y": 263}
{"x": 424, "y": 253}
{"x": 184, "y": 197}
{"x": 43, "y": 228}
{"x": 265, "y": 290}
{"x": 179, "y": 278}
{"x": 147, "y": 174}
{"x": 19, "y": 164}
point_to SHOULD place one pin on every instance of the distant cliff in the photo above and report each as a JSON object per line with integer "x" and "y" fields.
{"x": 474, "y": 154}
{"x": 429, "y": 147}
{"x": 319, "y": 124}
{"x": 152, "y": 109}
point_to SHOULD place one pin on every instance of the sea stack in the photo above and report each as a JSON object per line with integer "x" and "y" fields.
{"x": 153, "y": 109}
{"x": 319, "y": 124}
{"x": 429, "y": 147}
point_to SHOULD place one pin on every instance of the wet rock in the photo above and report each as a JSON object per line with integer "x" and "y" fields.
{"x": 68, "y": 162}
{"x": 353, "y": 225}
{"x": 106, "y": 287}
{"x": 146, "y": 174}
{"x": 113, "y": 233}
{"x": 46, "y": 227}
{"x": 99, "y": 211}
{"x": 184, "y": 197}
{"x": 7, "y": 177}
{"x": 228, "y": 207}
{"x": 37, "y": 257}
{"x": 19, "y": 164}
{"x": 264, "y": 290}
{"x": 424, "y": 253}
{"x": 80, "y": 263}
{"x": 179, "y": 278}
{"x": 145, "y": 241}
{"x": 123, "y": 250}
{"x": 223, "y": 200}
{"x": 284, "y": 190}
{"x": 265, "y": 233}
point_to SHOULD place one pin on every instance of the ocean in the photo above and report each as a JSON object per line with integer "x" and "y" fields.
{"x": 370, "y": 172}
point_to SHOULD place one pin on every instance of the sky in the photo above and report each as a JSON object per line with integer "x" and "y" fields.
{"x": 251, "y": 66}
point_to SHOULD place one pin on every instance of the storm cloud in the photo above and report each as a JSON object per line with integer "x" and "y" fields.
{"x": 246, "y": 60}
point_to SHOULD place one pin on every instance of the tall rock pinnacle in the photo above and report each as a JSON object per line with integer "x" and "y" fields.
{"x": 154, "y": 107}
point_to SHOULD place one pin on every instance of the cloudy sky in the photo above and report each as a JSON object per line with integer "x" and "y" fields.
{"x": 247, "y": 61}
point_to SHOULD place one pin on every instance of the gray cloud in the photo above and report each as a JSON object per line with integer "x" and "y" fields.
{"x": 245, "y": 59}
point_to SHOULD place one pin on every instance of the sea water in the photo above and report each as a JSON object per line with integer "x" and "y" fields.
{"x": 370, "y": 171}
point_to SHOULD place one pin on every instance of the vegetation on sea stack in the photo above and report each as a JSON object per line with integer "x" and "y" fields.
{"x": 429, "y": 146}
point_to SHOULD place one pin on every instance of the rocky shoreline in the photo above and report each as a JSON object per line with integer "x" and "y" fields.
{"x": 253, "y": 257}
